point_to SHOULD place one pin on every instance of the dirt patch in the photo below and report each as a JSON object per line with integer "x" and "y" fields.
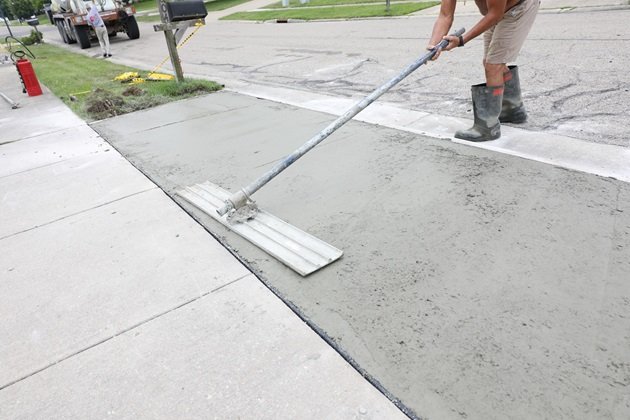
{"x": 103, "y": 104}
{"x": 133, "y": 91}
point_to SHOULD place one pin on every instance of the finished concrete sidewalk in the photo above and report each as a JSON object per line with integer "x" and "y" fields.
{"x": 115, "y": 303}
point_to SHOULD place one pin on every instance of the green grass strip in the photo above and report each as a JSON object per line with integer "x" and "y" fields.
{"x": 81, "y": 82}
{"x": 312, "y": 3}
{"x": 343, "y": 12}
{"x": 216, "y": 5}
{"x": 211, "y": 6}
{"x": 145, "y": 5}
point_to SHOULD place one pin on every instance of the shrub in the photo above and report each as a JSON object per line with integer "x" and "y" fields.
{"x": 34, "y": 38}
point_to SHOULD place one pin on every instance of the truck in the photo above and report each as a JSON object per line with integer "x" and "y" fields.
{"x": 70, "y": 18}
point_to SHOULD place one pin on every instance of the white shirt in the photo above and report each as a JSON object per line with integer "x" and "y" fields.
{"x": 94, "y": 18}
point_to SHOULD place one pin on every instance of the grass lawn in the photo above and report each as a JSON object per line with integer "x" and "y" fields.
{"x": 342, "y": 12}
{"x": 145, "y": 5}
{"x": 153, "y": 18}
{"x": 86, "y": 84}
{"x": 311, "y": 3}
{"x": 216, "y": 5}
{"x": 43, "y": 19}
{"x": 211, "y": 6}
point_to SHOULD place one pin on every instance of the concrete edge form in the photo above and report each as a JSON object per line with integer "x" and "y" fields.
{"x": 570, "y": 153}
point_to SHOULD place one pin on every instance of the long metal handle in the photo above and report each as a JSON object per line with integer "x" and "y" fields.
{"x": 14, "y": 105}
{"x": 239, "y": 198}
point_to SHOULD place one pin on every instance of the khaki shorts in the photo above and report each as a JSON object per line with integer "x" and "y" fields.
{"x": 503, "y": 42}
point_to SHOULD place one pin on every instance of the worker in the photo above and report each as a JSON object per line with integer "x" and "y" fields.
{"x": 504, "y": 25}
{"x": 97, "y": 23}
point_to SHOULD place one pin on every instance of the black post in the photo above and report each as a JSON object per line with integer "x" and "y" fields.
{"x": 5, "y": 21}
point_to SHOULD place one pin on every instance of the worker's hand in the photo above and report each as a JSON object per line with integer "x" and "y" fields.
{"x": 453, "y": 41}
{"x": 437, "y": 54}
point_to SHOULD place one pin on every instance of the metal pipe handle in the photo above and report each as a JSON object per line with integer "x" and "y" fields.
{"x": 236, "y": 200}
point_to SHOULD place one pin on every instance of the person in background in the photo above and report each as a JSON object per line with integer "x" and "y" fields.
{"x": 97, "y": 23}
{"x": 504, "y": 25}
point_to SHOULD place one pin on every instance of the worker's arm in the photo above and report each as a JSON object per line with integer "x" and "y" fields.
{"x": 496, "y": 10}
{"x": 443, "y": 23}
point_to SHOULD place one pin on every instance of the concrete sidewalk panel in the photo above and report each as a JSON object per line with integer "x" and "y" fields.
{"x": 66, "y": 188}
{"x": 36, "y": 115}
{"x": 75, "y": 282}
{"x": 39, "y": 119}
{"x": 236, "y": 353}
{"x": 49, "y": 149}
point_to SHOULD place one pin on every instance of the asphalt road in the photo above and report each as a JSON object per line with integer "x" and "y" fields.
{"x": 19, "y": 31}
{"x": 573, "y": 67}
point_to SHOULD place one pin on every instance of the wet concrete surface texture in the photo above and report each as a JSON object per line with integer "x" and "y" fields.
{"x": 473, "y": 284}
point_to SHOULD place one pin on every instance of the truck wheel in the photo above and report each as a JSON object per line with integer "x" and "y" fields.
{"x": 83, "y": 36}
{"x": 132, "y": 28}
{"x": 62, "y": 32}
{"x": 70, "y": 33}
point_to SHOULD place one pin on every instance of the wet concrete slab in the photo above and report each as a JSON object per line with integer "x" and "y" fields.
{"x": 473, "y": 284}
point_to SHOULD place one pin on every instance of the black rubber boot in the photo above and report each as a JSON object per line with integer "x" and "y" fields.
{"x": 486, "y": 108}
{"x": 512, "y": 109}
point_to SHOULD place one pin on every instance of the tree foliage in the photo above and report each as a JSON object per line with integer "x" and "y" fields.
{"x": 38, "y": 5}
{"x": 22, "y": 8}
{"x": 5, "y": 9}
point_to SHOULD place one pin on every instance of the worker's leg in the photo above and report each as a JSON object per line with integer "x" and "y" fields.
{"x": 512, "y": 109}
{"x": 495, "y": 73}
{"x": 99, "y": 35}
{"x": 502, "y": 45}
{"x": 486, "y": 98}
{"x": 486, "y": 109}
{"x": 106, "y": 42}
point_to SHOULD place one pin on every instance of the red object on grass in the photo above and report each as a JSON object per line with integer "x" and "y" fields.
{"x": 29, "y": 79}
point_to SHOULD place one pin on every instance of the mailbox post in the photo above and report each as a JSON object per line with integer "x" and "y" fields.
{"x": 177, "y": 16}
{"x": 34, "y": 22}
{"x": 170, "y": 41}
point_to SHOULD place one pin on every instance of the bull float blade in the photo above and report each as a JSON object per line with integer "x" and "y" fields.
{"x": 295, "y": 248}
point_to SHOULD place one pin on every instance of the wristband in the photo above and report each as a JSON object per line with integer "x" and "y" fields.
{"x": 461, "y": 41}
